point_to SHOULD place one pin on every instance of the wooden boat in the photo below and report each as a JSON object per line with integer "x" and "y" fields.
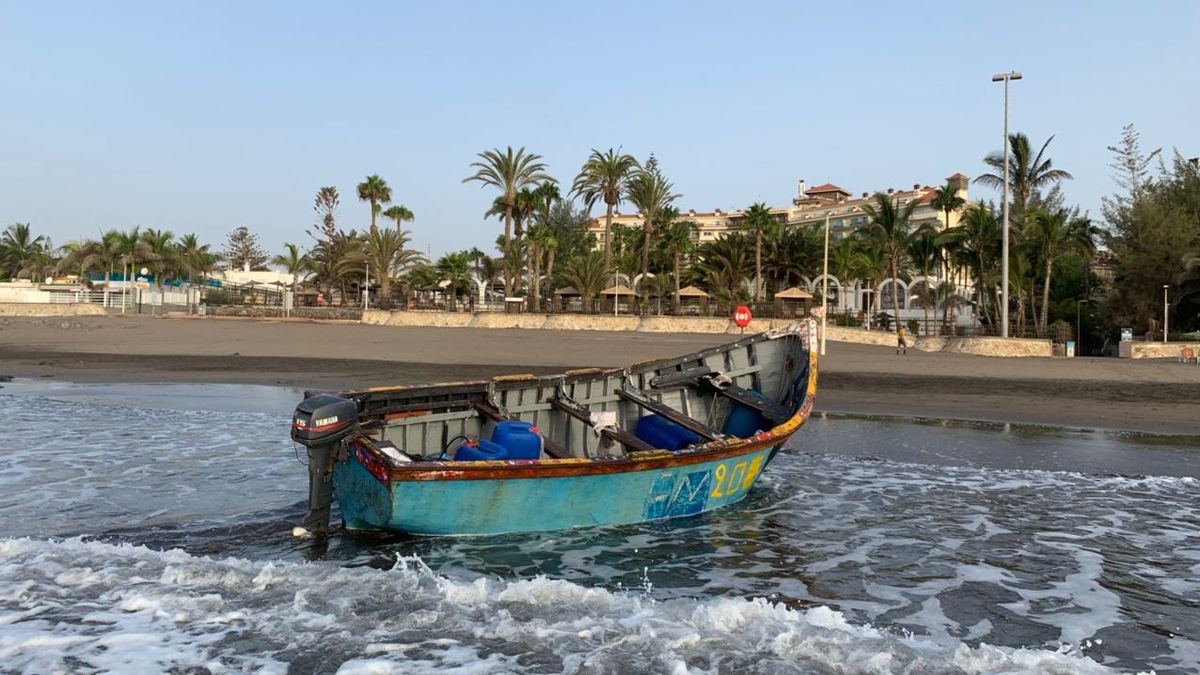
{"x": 393, "y": 456}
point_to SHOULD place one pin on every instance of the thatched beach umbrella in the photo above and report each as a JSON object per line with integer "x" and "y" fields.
{"x": 695, "y": 294}
{"x": 793, "y": 301}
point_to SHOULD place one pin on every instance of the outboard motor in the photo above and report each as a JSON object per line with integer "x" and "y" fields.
{"x": 320, "y": 424}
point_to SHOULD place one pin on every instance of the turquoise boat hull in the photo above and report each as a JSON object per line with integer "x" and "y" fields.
{"x": 498, "y": 506}
{"x": 398, "y": 470}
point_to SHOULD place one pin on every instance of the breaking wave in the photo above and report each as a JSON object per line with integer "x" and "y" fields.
{"x": 86, "y": 606}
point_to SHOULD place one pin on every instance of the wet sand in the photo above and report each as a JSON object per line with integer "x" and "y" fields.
{"x": 1143, "y": 395}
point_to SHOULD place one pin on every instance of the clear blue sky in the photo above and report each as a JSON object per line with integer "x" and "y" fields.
{"x": 202, "y": 116}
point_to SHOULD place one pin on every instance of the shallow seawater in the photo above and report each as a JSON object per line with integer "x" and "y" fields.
{"x": 146, "y": 528}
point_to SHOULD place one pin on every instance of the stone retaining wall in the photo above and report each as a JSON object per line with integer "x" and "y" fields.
{"x": 982, "y": 346}
{"x": 1155, "y": 350}
{"x": 993, "y": 346}
{"x": 377, "y": 317}
{"x": 494, "y": 320}
{"x": 591, "y": 322}
{"x": 47, "y": 309}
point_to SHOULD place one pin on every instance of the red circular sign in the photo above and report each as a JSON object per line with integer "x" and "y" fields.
{"x": 742, "y": 316}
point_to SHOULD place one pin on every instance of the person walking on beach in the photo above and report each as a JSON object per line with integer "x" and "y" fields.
{"x": 901, "y": 345}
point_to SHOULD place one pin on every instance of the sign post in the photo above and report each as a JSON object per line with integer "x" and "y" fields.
{"x": 742, "y": 317}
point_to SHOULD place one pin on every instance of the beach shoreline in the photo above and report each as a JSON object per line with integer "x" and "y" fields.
{"x": 1125, "y": 395}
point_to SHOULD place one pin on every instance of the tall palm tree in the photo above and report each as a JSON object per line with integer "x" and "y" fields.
{"x": 758, "y": 222}
{"x": 525, "y": 209}
{"x": 509, "y": 172}
{"x": 541, "y": 241}
{"x": 677, "y": 241}
{"x": 376, "y": 191}
{"x": 976, "y": 239}
{"x": 925, "y": 254}
{"x": 1054, "y": 235}
{"x": 888, "y": 224}
{"x": 1027, "y": 171}
{"x": 295, "y": 263}
{"x": 133, "y": 251}
{"x": 947, "y": 200}
{"x": 650, "y": 192}
{"x": 605, "y": 176}
{"x": 400, "y": 214}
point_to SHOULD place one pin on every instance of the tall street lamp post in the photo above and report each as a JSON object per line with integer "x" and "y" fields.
{"x": 1078, "y": 332}
{"x": 1005, "y": 78}
{"x": 825, "y": 288}
{"x": 1165, "y": 308}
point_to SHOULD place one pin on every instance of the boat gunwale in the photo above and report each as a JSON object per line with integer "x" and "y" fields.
{"x": 589, "y": 466}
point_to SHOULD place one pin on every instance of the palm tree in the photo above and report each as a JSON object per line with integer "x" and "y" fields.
{"x": 388, "y": 258}
{"x": 133, "y": 251}
{"x": 1053, "y": 235}
{"x": 759, "y": 222}
{"x": 1027, "y": 172}
{"x": 924, "y": 252}
{"x": 650, "y": 192}
{"x": 542, "y": 241}
{"x": 20, "y": 249}
{"x": 946, "y": 200}
{"x": 587, "y": 275}
{"x": 605, "y": 176}
{"x": 871, "y": 263}
{"x": 400, "y": 214}
{"x": 947, "y": 301}
{"x": 976, "y": 239}
{"x": 490, "y": 270}
{"x": 509, "y": 172}
{"x": 790, "y": 252}
{"x": 295, "y": 263}
{"x": 455, "y": 268}
{"x": 329, "y": 256}
{"x": 376, "y": 191}
{"x": 677, "y": 242}
{"x": 160, "y": 254}
{"x": 103, "y": 255}
{"x": 888, "y": 224}
{"x": 196, "y": 259}
{"x": 71, "y": 255}
{"x": 722, "y": 266}
{"x": 525, "y": 209}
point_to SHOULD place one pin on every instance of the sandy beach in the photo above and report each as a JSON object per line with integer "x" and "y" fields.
{"x": 1143, "y": 395}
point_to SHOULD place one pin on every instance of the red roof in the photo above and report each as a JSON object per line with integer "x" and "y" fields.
{"x": 826, "y": 188}
{"x": 957, "y": 175}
